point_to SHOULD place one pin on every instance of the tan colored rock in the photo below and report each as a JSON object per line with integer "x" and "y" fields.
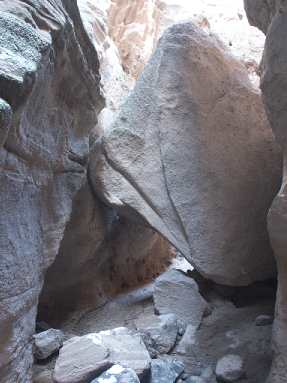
{"x": 192, "y": 153}
{"x": 136, "y": 25}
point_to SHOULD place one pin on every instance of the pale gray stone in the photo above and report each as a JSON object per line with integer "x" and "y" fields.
{"x": 229, "y": 368}
{"x": 159, "y": 333}
{"x": 80, "y": 360}
{"x": 85, "y": 357}
{"x": 176, "y": 293}
{"x": 118, "y": 374}
{"x": 163, "y": 371}
{"x": 47, "y": 342}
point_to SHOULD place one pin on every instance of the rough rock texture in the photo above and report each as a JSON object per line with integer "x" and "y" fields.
{"x": 101, "y": 253}
{"x": 261, "y": 12}
{"x": 163, "y": 371}
{"x": 229, "y": 368}
{"x": 49, "y": 97}
{"x": 159, "y": 333}
{"x": 47, "y": 342}
{"x": 81, "y": 360}
{"x": 273, "y": 85}
{"x": 136, "y": 26}
{"x": 82, "y": 357}
{"x": 178, "y": 294}
{"x": 189, "y": 137}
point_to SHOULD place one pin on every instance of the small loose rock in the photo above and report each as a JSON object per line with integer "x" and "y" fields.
{"x": 47, "y": 343}
{"x": 264, "y": 320}
{"x": 229, "y": 368}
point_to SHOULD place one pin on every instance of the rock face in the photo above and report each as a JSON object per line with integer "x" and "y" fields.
{"x": 273, "y": 87}
{"x": 49, "y": 97}
{"x": 189, "y": 137}
{"x": 136, "y": 25}
{"x": 260, "y": 13}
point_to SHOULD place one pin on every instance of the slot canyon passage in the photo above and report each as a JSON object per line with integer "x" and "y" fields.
{"x": 143, "y": 227}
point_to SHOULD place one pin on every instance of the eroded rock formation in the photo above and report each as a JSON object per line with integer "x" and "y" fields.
{"x": 192, "y": 153}
{"x": 272, "y": 17}
{"x": 50, "y": 96}
{"x": 101, "y": 252}
{"x": 135, "y": 27}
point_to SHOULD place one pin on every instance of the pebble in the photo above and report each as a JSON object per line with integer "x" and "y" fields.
{"x": 264, "y": 320}
{"x": 229, "y": 368}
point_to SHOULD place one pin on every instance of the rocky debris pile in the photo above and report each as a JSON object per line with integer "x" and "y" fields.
{"x": 224, "y": 345}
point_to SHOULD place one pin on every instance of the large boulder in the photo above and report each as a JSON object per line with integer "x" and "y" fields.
{"x": 49, "y": 97}
{"x": 192, "y": 153}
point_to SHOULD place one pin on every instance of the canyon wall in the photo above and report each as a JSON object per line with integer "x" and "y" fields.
{"x": 50, "y": 97}
{"x": 271, "y": 17}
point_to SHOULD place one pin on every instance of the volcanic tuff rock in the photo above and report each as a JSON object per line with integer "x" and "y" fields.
{"x": 273, "y": 85}
{"x": 192, "y": 153}
{"x": 49, "y": 97}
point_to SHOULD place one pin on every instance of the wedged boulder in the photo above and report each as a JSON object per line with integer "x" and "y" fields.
{"x": 192, "y": 153}
{"x": 83, "y": 358}
{"x": 49, "y": 97}
{"x": 178, "y": 294}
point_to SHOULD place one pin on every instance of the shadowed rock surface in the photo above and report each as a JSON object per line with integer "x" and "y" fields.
{"x": 49, "y": 96}
{"x": 192, "y": 153}
{"x": 273, "y": 85}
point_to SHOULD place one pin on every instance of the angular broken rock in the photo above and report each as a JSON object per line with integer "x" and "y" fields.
{"x": 47, "y": 342}
{"x": 229, "y": 368}
{"x": 80, "y": 360}
{"x": 164, "y": 370}
{"x": 118, "y": 374}
{"x": 159, "y": 333}
{"x": 86, "y": 356}
{"x": 178, "y": 294}
{"x": 192, "y": 153}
